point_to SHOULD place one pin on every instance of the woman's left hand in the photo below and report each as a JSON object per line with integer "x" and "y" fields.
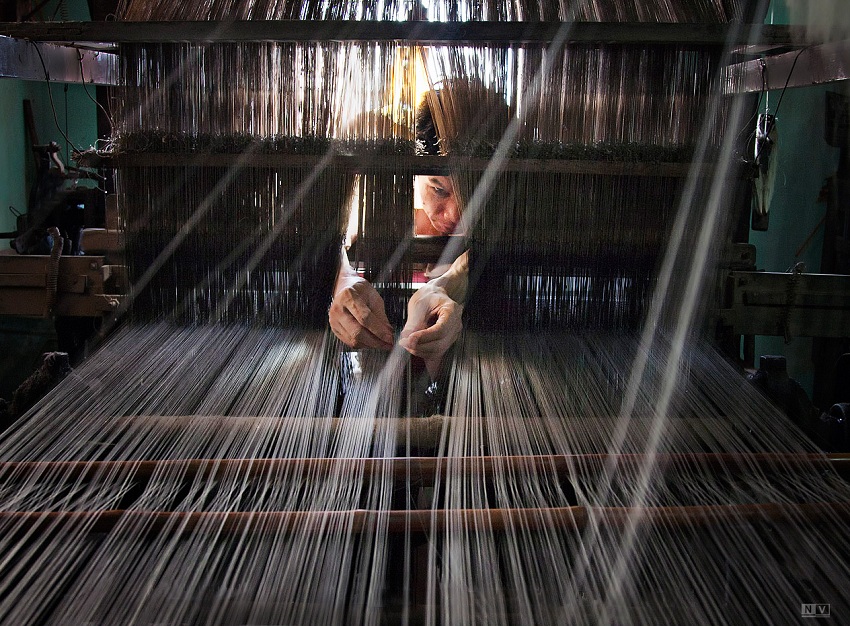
{"x": 433, "y": 325}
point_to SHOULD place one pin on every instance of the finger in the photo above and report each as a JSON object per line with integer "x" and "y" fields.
{"x": 422, "y": 343}
{"x": 418, "y": 321}
{"x": 352, "y": 334}
{"x": 421, "y": 340}
{"x": 436, "y": 331}
{"x": 425, "y": 350}
{"x": 355, "y": 335}
{"x": 382, "y": 332}
{"x": 375, "y": 321}
{"x": 334, "y": 316}
{"x": 444, "y": 329}
{"x": 367, "y": 309}
{"x": 339, "y": 329}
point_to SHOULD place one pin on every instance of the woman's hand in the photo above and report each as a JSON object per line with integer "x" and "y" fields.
{"x": 357, "y": 314}
{"x": 433, "y": 325}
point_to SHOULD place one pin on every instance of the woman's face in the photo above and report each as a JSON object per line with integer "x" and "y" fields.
{"x": 439, "y": 201}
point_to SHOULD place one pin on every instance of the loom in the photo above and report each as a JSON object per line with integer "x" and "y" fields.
{"x": 222, "y": 459}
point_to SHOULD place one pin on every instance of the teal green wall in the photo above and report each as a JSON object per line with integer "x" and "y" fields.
{"x": 80, "y": 124}
{"x": 76, "y": 117}
{"x": 72, "y": 10}
{"x": 804, "y": 161}
{"x": 13, "y": 164}
{"x": 23, "y": 340}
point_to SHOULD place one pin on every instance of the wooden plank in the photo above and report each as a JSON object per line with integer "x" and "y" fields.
{"x": 72, "y": 283}
{"x": 24, "y": 302}
{"x": 23, "y": 280}
{"x": 88, "y": 267}
{"x": 33, "y": 303}
{"x": 81, "y": 264}
{"x": 115, "y": 279}
{"x": 776, "y": 321}
{"x": 24, "y": 264}
{"x": 113, "y": 220}
{"x": 86, "y": 305}
{"x": 39, "y": 264}
{"x": 796, "y": 305}
{"x": 101, "y": 241}
{"x": 774, "y": 288}
{"x": 415, "y": 32}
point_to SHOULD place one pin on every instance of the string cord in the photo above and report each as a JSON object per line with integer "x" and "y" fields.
{"x": 50, "y": 94}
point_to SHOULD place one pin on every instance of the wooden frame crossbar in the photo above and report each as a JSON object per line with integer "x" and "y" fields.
{"x": 574, "y": 518}
{"x": 416, "y": 32}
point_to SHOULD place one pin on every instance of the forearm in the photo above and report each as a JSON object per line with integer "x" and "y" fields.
{"x": 345, "y": 268}
{"x": 455, "y": 281}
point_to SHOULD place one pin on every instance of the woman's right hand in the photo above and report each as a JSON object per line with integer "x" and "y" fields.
{"x": 357, "y": 315}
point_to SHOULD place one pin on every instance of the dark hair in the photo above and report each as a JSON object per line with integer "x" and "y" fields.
{"x": 427, "y": 142}
{"x": 475, "y": 116}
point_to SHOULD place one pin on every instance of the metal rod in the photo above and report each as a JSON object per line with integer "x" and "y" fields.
{"x": 62, "y": 64}
{"x": 815, "y": 65}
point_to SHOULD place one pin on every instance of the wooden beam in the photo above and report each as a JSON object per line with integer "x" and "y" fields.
{"x": 101, "y": 241}
{"x": 80, "y": 286}
{"x": 86, "y": 305}
{"x": 24, "y": 302}
{"x": 40, "y": 264}
{"x": 418, "y": 164}
{"x": 571, "y": 519}
{"x": 787, "y": 304}
{"x": 415, "y": 32}
{"x": 23, "y": 280}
